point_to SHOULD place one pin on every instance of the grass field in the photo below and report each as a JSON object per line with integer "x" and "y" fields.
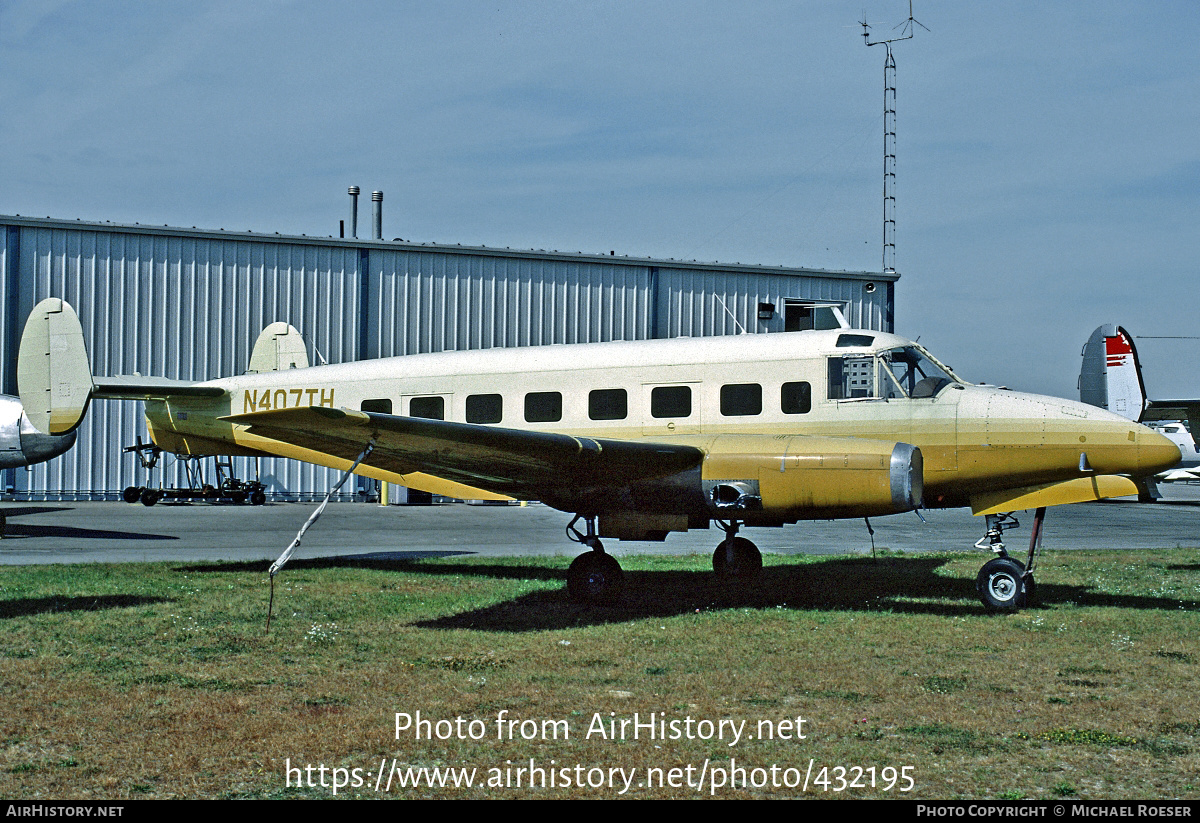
{"x": 158, "y": 680}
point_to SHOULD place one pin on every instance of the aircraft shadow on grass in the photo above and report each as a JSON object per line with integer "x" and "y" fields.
{"x": 29, "y": 606}
{"x": 900, "y": 585}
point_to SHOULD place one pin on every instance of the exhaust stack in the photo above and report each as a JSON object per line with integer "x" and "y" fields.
{"x": 353, "y": 192}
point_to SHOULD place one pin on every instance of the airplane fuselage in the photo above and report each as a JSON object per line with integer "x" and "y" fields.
{"x": 868, "y": 385}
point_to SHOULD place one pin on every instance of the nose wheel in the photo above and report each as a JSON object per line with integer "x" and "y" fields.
{"x": 1004, "y": 584}
{"x": 1001, "y": 585}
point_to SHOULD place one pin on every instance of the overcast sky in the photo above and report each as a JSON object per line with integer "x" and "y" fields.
{"x": 1048, "y": 153}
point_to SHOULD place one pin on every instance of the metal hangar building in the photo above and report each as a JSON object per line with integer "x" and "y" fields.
{"x": 189, "y": 303}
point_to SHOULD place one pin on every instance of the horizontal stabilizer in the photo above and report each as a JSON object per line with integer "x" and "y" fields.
{"x": 136, "y": 387}
{"x": 55, "y": 378}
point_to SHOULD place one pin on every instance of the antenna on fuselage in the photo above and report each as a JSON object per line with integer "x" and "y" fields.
{"x": 907, "y": 31}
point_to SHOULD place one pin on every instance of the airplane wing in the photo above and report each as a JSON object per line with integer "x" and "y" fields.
{"x": 1188, "y": 410}
{"x": 520, "y": 464}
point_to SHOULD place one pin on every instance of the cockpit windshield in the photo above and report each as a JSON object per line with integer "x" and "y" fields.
{"x": 913, "y": 373}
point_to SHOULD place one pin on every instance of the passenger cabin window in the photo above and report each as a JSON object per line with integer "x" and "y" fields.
{"x": 671, "y": 401}
{"x": 429, "y": 408}
{"x": 608, "y": 404}
{"x": 741, "y": 399}
{"x": 543, "y": 407}
{"x": 851, "y": 377}
{"x": 795, "y": 398}
{"x": 383, "y": 406}
{"x": 485, "y": 408}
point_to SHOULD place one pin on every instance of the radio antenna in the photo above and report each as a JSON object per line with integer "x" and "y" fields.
{"x": 907, "y": 30}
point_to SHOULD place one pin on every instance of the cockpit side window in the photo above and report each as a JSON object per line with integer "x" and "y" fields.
{"x": 889, "y": 385}
{"x": 902, "y": 372}
{"x": 916, "y": 373}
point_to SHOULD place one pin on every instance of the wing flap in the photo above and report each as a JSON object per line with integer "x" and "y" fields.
{"x": 512, "y": 462}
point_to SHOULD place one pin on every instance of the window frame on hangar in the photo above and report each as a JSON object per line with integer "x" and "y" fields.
{"x": 189, "y": 303}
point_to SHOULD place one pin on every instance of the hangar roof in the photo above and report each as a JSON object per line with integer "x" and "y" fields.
{"x": 459, "y": 248}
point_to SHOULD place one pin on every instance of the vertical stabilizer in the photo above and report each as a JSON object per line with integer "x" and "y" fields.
{"x": 279, "y": 348}
{"x": 53, "y": 373}
{"x": 1111, "y": 377}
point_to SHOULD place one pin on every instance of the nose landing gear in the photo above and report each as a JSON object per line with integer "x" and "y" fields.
{"x": 1004, "y": 584}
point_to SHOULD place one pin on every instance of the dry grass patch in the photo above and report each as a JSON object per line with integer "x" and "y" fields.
{"x": 157, "y": 680}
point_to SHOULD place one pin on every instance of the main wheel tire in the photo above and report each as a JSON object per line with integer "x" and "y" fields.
{"x": 737, "y": 559}
{"x": 1001, "y": 585}
{"x": 258, "y": 497}
{"x": 149, "y": 497}
{"x": 595, "y": 578}
{"x": 131, "y": 494}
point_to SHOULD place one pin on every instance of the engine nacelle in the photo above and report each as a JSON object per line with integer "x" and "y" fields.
{"x": 23, "y": 445}
{"x": 746, "y": 477}
{"x": 769, "y": 480}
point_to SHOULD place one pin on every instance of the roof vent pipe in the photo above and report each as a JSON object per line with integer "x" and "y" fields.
{"x": 377, "y": 215}
{"x": 353, "y": 191}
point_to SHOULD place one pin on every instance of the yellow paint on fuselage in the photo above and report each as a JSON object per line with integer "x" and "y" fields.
{"x": 973, "y": 438}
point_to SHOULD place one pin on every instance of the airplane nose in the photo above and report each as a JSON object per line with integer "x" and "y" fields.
{"x": 1155, "y": 452}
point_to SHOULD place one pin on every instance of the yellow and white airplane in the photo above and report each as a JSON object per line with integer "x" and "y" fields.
{"x": 638, "y": 439}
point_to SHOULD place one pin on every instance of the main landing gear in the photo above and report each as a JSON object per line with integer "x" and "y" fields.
{"x": 595, "y": 578}
{"x": 736, "y": 558}
{"x": 1004, "y": 584}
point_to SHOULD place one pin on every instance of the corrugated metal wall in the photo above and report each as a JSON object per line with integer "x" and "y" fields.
{"x": 181, "y": 307}
{"x": 425, "y": 301}
{"x": 10, "y": 310}
{"x": 704, "y": 302}
{"x": 189, "y": 305}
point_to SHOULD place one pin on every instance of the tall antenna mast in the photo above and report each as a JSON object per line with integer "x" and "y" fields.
{"x": 907, "y": 31}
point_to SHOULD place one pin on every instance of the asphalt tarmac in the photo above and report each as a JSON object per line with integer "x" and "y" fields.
{"x": 54, "y": 532}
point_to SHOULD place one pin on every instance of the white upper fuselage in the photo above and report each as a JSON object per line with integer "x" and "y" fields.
{"x": 847, "y": 383}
